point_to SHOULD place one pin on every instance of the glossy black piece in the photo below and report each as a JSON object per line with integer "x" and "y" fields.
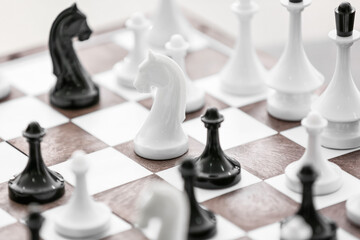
{"x": 34, "y": 222}
{"x": 74, "y": 87}
{"x": 215, "y": 170}
{"x": 295, "y": 1}
{"x": 344, "y": 18}
{"x": 202, "y": 222}
{"x": 323, "y": 229}
{"x": 36, "y": 183}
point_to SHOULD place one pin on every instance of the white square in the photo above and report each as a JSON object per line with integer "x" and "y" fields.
{"x": 225, "y": 230}
{"x": 12, "y": 162}
{"x": 272, "y": 232}
{"x": 212, "y": 86}
{"x": 108, "y": 80}
{"x": 173, "y": 176}
{"x": 108, "y": 169}
{"x": 300, "y": 136}
{"x": 32, "y": 75}
{"x": 238, "y": 128}
{"x": 6, "y": 219}
{"x": 48, "y": 232}
{"x": 351, "y": 186}
{"x": 18, "y": 113}
{"x": 114, "y": 125}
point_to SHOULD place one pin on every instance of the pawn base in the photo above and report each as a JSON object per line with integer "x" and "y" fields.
{"x": 160, "y": 152}
{"x": 324, "y": 185}
{"x": 353, "y": 209}
{"x": 4, "y": 89}
{"x": 74, "y": 99}
{"x": 289, "y": 107}
{"x": 195, "y": 100}
{"x": 199, "y": 232}
{"x": 219, "y": 181}
{"x": 40, "y": 194}
{"x": 125, "y": 73}
{"x": 341, "y": 135}
{"x": 92, "y": 227}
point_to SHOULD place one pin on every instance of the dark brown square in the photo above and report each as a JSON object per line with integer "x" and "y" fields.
{"x": 349, "y": 162}
{"x": 337, "y": 213}
{"x": 258, "y": 111}
{"x": 253, "y": 206}
{"x": 123, "y": 200}
{"x": 107, "y": 99}
{"x": 267, "y": 157}
{"x": 195, "y": 149}
{"x": 210, "y": 101}
{"x": 101, "y": 57}
{"x": 60, "y": 142}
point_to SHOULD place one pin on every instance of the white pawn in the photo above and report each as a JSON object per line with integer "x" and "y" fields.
{"x": 126, "y": 70}
{"x": 177, "y": 48}
{"x": 353, "y": 209}
{"x": 162, "y": 136}
{"x": 82, "y": 217}
{"x": 296, "y": 229}
{"x": 244, "y": 74}
{"x": 293, "y": 78}
{"x": 157, "y": 203}
{"x": 340, "y": 102}
{"x": 330, "y": 176}
{"x": 4, "y": 88}
{"x": 168, "y": 20}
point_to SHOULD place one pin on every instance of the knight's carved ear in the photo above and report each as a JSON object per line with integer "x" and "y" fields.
{"x": 151, "y": 55}
{"x": 74, "y": 7}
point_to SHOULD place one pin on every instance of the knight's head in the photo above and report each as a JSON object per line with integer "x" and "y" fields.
{"x": 72, "y": 23}
{"x": 152, "y": 73}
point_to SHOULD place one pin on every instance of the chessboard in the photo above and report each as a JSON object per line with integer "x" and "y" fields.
{"x": 263, "y": 145}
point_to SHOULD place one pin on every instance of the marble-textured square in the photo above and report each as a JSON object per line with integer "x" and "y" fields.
{"x": 12, "y": 161}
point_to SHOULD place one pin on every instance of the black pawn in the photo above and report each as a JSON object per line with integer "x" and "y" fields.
{"x": 215, "y": 170}
{"x": 36, "y": 183}
{"x": 74, "y": 87}
{"x": 34, "y": 222}
{"x": 323, "y": 229}
{"x": 344, "y": 18}
{"x": 202, "y": 222}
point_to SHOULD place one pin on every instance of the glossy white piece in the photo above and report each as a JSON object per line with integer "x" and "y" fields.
{"x": 340, "y": 102}
{"x": 293, "y": 78}
{"x": 244, "y": 74}
{"x": 126, "y": 70}
{"x": 353, "y": 209}
{"x": 82, "y": 217}
{"x": 162, "y": 136}
{"x": 4, "y": 88}
{"x": 296, "y": 229}
{"x": 168, "y": 21}
{"x": 158, "y": 202}
{"x": 177, "y": 48}
{"x": 329, "y": 177}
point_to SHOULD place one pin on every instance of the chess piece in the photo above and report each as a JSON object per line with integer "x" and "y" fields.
{"x": 322, "y": 228}
{"x": 202, "y": 222}
{"x": 244, "y": 74}
{"x": 168, "y": 21}
{"x": 340, "y": 102}
{"x": 176, "y": 49}
{"x": 296, "y": 229}
{"x": 353, "y": 209}
{"x": 82, "y": 217}
{"x": 36, "y": 183}
{"x": 74, "y": 87}
{"x": 127, "y": 69}
{"x": 293, "y": 78}
{"x": 330, "y": 176}
{"x": 34, "y": 221}
{"x": 158, "y": 202}
{"x": 162, "y": 136}
{"x": 215, "y": 170}
{"x": 4, "y": 88}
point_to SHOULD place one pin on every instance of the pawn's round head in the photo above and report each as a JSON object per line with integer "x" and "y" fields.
{"x": 79, "y": 164}
{"x": 33, "y": 131}
{"x": 187, "y": 168}
{"x": 314, "y": 120}
{"x": 345, "y": 7}
{"x": 177, "y": 43}
{"x": 138, "y": 18}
